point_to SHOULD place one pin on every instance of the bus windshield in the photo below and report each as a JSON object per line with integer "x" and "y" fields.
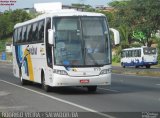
{"x": 149, "y": 50}
{"x": 81, "y": 41}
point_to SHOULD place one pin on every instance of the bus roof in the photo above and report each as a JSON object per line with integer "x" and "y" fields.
{"x": 59, "y": 13}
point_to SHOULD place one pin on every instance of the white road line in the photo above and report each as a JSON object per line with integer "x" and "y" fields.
{"x": 13, "y": 107}
{"x": 157, "y": 84}
{"x": 61, "y": 100}
{"x": 108, "y": 90}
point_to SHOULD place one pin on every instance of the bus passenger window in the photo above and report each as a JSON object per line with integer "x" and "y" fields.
{"x": 15, "y": 36}
{"x": 24, "y": 33}
{"x": 19, "y": 35}
{"x": 41, "y": 31}
{"x": 28, "y": 31}
{"x": 35, "y": 32}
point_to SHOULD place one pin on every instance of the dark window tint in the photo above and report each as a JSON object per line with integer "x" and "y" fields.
{"x": 123, "y": 54}
{"x": 28, "y": 30}
{"x": 29, "y": 33}
{"x": 41, "y": 30}
{"x": 149, "y": 50}
{"x": 48, "y": 47}
{"x": 24, "y": 34}
{"x": 48, "y": 26}
{"x": 15, "y": 36}
{"x": 35, "y": 32}
{"x": 19, "y": 35}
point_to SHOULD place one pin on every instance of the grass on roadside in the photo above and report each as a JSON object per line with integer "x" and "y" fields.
{"x": 116, "y": 64}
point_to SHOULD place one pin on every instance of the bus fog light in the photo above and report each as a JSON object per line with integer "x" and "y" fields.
{"x": 60, "y": 72}
{"x": 106, "y": 71}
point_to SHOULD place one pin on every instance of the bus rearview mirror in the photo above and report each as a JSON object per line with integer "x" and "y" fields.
{"x": 116, "y": 35}
{"x": 51, "y": 37}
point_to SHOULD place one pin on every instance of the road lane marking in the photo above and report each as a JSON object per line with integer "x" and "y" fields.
{"x": 108, "y": 90}
{"x": 13, "y": 107}
{"x": 157, "y": 84}
{"x": 61, "y": 100}
{"x": 3, "y": 93}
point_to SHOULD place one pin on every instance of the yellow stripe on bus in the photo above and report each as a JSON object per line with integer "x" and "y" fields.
{"x": 30, "y": 66}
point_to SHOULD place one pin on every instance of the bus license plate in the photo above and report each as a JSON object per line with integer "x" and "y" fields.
{"x": 84, "y": 81}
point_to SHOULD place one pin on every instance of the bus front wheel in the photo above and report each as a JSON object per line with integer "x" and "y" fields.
{"x": 92, "y": 88}
{"x": 44, "y": 86}
{"x": 23, "y": 82}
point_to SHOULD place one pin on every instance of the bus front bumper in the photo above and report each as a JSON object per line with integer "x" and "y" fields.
{"x": 65, "y": 80}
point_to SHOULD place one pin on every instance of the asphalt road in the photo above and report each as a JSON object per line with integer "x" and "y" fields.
{"x": 127, "y": 97}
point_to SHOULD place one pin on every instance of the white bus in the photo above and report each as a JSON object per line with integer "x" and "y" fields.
{"x": 65, "y": 48}
{"x": 140, "y": 56}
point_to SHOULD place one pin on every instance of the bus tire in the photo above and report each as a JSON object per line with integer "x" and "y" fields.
{"x": 92, "y": 88}
{"x": 122, "y": 64}
{"x": 136, "y": 66}
{"x": 23, "y": 81}
{"x": 148, "y": 66}
{"x": 44, "y": 86}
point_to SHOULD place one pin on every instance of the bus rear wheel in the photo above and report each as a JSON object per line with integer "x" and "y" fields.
{"x": 92, "y": 88}
{"x": 122, "y": 64}
{"x": 148, "y": 66}
{"x": 44, "y": 86}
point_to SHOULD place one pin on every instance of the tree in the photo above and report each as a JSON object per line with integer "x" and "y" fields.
{"x": 140, "y": 16}
{"x": 8, "y": 19}
{"x": 144, "y": 17}
{"x": 85, "y": 7}
{"x": 20, "y": 16}
{"x": 120, "y": 21}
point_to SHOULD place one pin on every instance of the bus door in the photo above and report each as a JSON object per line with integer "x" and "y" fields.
{"x": 48, "y": 46}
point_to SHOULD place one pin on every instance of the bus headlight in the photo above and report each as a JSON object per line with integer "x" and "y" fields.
{"x": 106, "y": 71}
{"x": 60, "y": 72}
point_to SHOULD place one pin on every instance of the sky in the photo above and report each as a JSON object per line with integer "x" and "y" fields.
{"x": 29, "y": 3}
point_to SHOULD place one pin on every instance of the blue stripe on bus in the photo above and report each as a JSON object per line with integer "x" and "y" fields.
{"x": 18, "y": 51}
{"x": 142, "y": 63}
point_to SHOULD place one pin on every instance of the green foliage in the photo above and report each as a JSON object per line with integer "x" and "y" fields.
{"x": 118, "y": 4}
{"x": 2, "y": 46}
{"x": 138, "y": 15}
{"x": 116, "y": 58}
{"x": 8, "y": 19}
{"x": 85, "y": 7}
{"x": 145, "y": 17}
{"x": 158, "y": 47}
{"x": 124, "y": 34}
{"x": 135, "y": 45}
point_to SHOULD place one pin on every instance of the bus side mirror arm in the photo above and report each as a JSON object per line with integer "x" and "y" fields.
{"x": 51, "y": 39}
{"x": 116, "y": 35}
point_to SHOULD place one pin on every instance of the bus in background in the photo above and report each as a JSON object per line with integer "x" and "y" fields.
{"x": 64, "y": 48}
{"x": 140, "y": 56}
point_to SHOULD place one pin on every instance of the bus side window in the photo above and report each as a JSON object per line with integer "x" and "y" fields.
{"x": 41, "y": 30}
{"x": 28, "y": 31}
{"x": 139, "y": 53}
{"x": 35, "y": 32}
{"x": 30, "y": 38}
{"x": 19, "y": 35}
{"x": 15, "y": 37}
{"x": 24, "y": 34}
